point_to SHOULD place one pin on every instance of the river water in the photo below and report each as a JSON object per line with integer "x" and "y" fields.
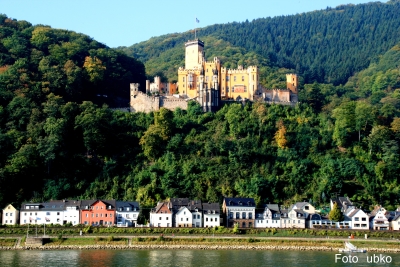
{"x": 223, "y": 258}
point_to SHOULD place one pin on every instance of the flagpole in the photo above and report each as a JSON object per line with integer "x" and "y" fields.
{"x": 195, "y": 21}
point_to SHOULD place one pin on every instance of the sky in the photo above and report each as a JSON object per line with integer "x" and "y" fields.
{"x": 126, "y": 22}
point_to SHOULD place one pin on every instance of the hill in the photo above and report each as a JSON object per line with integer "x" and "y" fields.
{"x": 326, "y": 46}
{"x": 40, "y": 60}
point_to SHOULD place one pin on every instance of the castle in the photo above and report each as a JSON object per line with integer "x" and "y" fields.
{"x": 210, "y": 84}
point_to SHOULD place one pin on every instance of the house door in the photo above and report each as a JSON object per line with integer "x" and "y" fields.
{"x": 101, "y": 222}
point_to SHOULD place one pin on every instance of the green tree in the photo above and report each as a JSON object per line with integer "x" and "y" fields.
{"x": 335, "y": 214}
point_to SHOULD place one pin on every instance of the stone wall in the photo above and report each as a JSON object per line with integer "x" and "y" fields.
{"x": 172, "y": 104}
{"x": 141, "y": 102}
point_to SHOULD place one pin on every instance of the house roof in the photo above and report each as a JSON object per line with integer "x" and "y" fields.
{"x": 314, "y": 216}
{"x": 378, "y": 208}
{"x": 160, "y": 205}
{"x": 91, "y": 202}
{"x": 284, "y": 213}
{"x": 342, "y": 201}
{"x": 128, "y": 204}
{"x": 272, "y": 207}
{"x": 210, "y": 208}
{"x": 6, "y": 207}
{"x": 239, "y": 201}
{"x": 300, "y": 205}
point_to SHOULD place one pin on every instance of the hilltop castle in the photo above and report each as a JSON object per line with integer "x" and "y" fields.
{"x": 209, "y": 83}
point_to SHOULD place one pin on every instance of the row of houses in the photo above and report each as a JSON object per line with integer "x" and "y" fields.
{"x": 183, "y": 212}
{"x": 87, "y": 212}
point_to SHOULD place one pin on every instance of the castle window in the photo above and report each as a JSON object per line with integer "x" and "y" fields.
{"x": 183, "y": 78}
{"x": 227, "y": 89}
{"x": 234, "y": 78}
{"x": 227, "y": 78}
{"x": 253, "y": 77}
{"x": 206, "y": 78}
{"x": 242, "y": 78}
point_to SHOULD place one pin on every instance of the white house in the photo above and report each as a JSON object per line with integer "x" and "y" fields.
{"x": 183, "y": 218}
{"x": 161, "y": 215}
{"x": 196, "y": 209}
{"x": 211, "y": 214}
{"x": 270, "y": 218}
{"x": 240, "y": 211}
{"x": 71, "y": 212}
{"x": 379, "y": 219}
{"x": 42, "y": 213}
{"x": 127, "y": 213}
{"x": 394, "y": 221}
{"x": 317, "y": 221}
{"x": 306, "y": 207}
{"x": 357, "y": 218}
{"x": 10, "y": 215}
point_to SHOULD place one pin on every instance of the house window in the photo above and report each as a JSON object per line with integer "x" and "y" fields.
{"x": 97, "y": 215}
{"x": 243, "y": 215}
{"x": 159, "y": 218}
{"x": 6, "y": 213}
{"x": 87, "y": 215}
{"x": 227, "y": 89}
{"x": 194, "y": 216}
{"x": 207, "y": 220}
{"x": 216, "y": 219}
{"x": 110, "y": 215}
{"x": 211, "y": 219}
{"x": 298, "y": 221}
{"x": 363, "y": 225}
{"x": 57, "y": 213}
{"x": 167, "y": 218}
{"x": 250, "y": 216}
{"x": 364, "y": 219}
{"x": 181, "y": 219}
{"x": 187, "y": 219}
{"x": 230, "y": 215}
{"x": 198, "y": 216}
{"x": 306, "y": 207}
{"x": 357, "y": 225}
{"x": 85, "y": 222}
{"x": 357, "y": 219}
{"x": 237, "y": 215}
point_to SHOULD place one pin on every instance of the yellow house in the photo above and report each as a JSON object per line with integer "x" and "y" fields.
{"x": 200, "y": 78}
{"x": 10, "y": 215}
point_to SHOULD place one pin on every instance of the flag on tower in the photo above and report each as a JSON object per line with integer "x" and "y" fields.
{"x": 197, "y": 20}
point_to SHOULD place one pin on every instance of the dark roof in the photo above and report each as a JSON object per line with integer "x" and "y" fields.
{"x": 284, "y": 213}
{"x": 314, "y": 216}
{"x": 179, "y": 202}
{"x": 272, "y": 207}
{"x": 128, "y": 204}
{"x": 91, "y": 202}
{"x": 342, "y": 200}
{"x": 210, "y": 208}
{"x": 239, "y": 201}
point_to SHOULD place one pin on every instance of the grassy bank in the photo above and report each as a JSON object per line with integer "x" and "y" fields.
{"x": 7, "y": 242}
{"x": 217, "y": 231}
{"x": 76, "y": 241}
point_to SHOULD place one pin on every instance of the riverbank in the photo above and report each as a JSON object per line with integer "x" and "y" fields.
{"x": 177, "y": 243}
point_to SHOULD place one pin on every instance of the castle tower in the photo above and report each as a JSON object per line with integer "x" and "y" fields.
{"x": 292, "y": 82}
{"x": 194, "y": 54}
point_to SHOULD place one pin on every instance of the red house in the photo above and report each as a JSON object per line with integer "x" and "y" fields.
{"x": 98, "y": 212}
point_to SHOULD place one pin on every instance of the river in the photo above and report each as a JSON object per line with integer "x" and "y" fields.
{"x": 223, "y": 258}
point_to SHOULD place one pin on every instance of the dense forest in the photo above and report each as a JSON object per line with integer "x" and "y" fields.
{"x": 326, "y": 46}
{"x": 58, "y": 141}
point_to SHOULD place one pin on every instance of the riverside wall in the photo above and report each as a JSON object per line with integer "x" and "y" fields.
{"x": 192, "y": 247}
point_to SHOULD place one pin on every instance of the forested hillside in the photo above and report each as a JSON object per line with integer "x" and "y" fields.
{"x": 37, "y": 60}
{"x": 342, "y": 139}
{"x": 326, "y": 46}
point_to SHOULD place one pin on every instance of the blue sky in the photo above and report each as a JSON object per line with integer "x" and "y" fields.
{"x": 126, "y": 22}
